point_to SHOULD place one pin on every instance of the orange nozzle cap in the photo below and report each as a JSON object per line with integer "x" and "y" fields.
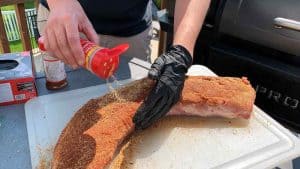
{"x": 106, "y": 61}
{"x": 41, "y": 44}
{"x": 118, "y": 50}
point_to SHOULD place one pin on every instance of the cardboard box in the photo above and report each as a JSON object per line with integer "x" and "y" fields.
{"x": 16, "y": 78}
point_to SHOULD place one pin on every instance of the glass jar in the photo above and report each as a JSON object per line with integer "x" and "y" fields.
{"x": 56, "y": 77}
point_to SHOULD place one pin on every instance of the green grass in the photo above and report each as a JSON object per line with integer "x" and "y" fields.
{"x": 16, "y": 46}
{"x": 157, "y": 3}
{"x": 28, "y": 5}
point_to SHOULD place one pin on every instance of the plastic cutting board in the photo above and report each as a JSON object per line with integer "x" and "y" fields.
{"x": 215, "y": 143}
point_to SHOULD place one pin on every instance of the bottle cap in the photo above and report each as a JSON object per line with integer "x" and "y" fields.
{"x": 106, "y": 61}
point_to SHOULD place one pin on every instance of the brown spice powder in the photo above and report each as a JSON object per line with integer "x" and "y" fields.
{"x": 96, "y": 131}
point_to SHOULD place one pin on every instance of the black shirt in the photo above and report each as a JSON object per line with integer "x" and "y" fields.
{"x": 117, "y": 17}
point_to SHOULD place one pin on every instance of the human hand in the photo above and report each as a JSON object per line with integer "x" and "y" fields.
{"x": 169, "y": 71}
{"x": 61, "y": 33}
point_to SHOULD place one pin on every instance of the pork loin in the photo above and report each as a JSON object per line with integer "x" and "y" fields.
{"x": 92, "y": 137}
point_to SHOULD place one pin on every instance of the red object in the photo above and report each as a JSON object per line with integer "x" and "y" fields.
{"x": 17, "y": 83}
{"x": 101, "y": 61}
{"x": 21, "y": 89}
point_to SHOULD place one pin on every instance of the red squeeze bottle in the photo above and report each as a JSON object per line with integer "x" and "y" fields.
{"x": 101, "y": 61}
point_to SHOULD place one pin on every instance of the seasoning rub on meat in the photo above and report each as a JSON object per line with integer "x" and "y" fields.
{"x": 94, "y": 135}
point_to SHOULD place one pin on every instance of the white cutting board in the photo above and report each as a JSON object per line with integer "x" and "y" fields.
{"x": 214, "y": 143}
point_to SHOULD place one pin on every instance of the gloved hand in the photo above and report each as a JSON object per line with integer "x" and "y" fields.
{"x": 169, "y": 71}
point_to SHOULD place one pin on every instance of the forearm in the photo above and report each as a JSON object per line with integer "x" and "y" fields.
{"x": 189, "y": 17}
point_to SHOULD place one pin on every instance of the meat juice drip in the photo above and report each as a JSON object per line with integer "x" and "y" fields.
{"x": 112, "y": 89}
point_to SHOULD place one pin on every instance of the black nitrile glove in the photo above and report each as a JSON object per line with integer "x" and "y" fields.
{"x": 169, "y": 70}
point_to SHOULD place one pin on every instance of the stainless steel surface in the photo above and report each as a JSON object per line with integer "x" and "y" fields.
{"x": 253, "y": 21}
{"x": 14, "y": 146}
{"x": 286, "y": 23}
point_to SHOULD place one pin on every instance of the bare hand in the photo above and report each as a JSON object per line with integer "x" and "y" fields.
{"x": 61, "y": 34}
